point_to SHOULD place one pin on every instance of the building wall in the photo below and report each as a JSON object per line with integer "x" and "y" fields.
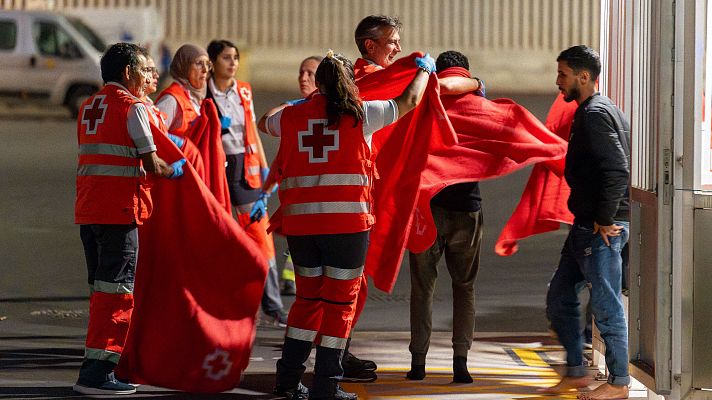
{"x": 512, "y": 44}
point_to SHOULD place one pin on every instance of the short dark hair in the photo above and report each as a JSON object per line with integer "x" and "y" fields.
{"x": 371, "y": 27}
{"x": 451, "y": 58}
{"x": 217, "y": 46}
{"x": 117, "y": 58}
{"x": 582, "y": 57}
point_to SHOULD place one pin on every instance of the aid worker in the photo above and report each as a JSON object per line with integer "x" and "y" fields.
{"x": 116, "y": 149}
{"x": 325, "y": 173}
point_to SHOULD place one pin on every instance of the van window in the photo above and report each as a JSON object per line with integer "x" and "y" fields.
{"x": 51, "y": 40}
{"x": 8, "y": 35}
{"x": 88, "y": 34}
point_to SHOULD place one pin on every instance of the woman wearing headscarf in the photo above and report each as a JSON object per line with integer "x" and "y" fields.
{"x": 246, "y": 162}
{"x": 181, "y": 101}
{"x": 189, "y": 114}
{"x": 326, "y": 174}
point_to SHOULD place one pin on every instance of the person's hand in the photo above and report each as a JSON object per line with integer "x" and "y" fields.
{"x": 607, "y": 230}
{"x": 179, "y": 141}
{"x": 225, "y": 122}
{"x": 426, "y": 63}
{"x": 177, "y": 168}
{"x": 259, "y": 209}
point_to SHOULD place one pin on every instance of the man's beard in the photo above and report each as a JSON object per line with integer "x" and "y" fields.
{"x": 573, "y": 94}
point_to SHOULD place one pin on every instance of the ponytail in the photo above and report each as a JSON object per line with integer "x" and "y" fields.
{"x": 335, "y": 75}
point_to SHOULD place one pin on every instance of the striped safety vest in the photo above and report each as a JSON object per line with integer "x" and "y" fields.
{"x": 325, "y": 174}
{"x": 252, "y": 155}
{"x": 109, "y": 183}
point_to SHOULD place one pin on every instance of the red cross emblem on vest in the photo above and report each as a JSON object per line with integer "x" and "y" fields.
{"x": 246, "y": 94}
{"x": 93, "y": 114}
{"x": 318, "y": 140}
{"x": 217, "y": 364}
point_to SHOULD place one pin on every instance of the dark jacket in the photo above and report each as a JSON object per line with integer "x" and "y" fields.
{"x": 598, "y": 162}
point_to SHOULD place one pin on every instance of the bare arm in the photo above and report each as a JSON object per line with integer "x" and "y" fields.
{"x": 412, "y": 94}
{"x": 454, "y": 85}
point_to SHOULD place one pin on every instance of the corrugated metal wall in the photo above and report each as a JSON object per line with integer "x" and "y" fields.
{"x": 521, "y": 33}
{"x": 463, "y": 24}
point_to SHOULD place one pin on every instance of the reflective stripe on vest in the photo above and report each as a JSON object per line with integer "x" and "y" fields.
{"x": 113, "y": 287}
{"x": 324, "y": 180}
{"x": 108, "y": 170}
{"x": 333, "y": 342}
{"x": 343, "y": 274}
{"x": 108, "y": 149}
{"x": 305, "y": 335}
{"x": 332, "y": 207}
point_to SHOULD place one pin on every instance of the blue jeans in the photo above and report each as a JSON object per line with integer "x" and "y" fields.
{"x": 586, "y": 257}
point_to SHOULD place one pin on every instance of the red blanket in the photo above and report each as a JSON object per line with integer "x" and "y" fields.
{"x": 401, "y": 154}
{"x": 542, "y": 207}
{"x": 495, "y": 138}
{"x": 205, "y": 134}
{"x": 198, "y": 285}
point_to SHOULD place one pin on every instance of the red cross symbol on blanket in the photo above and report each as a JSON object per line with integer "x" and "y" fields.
{"x": 318, "y": 140}
{"x": 217, "y": 364}
{"x": 93, "y": 114}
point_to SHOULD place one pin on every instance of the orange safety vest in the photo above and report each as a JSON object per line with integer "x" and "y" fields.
{"x": 325, "y": 174}
{"x": 182, "y": 96}
{"x": 110, "y": 188}
{"x": 252, "y": 155}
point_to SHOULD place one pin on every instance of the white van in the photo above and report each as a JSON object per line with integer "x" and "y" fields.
{"x": 48, "y": 57}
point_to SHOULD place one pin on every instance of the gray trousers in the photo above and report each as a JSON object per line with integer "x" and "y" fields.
{"x": 459, "y": 238}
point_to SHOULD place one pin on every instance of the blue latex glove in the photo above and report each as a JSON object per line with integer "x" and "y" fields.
{"x": 177, "y": 168}
{"x": 295, "y": 102}
{"x": 482, "y": 91}
{"x": 259, "y": 209}
{"x": 179, "y": 141}
{"x": 426, "y": 63}
{"x": 225, "y": 122}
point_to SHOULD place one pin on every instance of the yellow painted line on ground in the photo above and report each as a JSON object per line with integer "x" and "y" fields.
{"x": 528, "y": 370}
{"x": 530, "y": 357}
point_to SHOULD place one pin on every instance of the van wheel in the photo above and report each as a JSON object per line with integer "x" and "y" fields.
{"x": 77, "y": 96}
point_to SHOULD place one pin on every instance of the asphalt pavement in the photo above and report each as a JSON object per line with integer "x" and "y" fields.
{"x": 44, "y": 295}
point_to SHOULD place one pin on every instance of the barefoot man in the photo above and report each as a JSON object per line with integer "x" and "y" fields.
{"x": 597, "y": 170}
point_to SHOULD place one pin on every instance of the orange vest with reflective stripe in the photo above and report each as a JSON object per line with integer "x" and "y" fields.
{"x": 188, "y": 113}
{"x": 325, "y": 174}
{"x": 109, "y": 183}
{"x": 252, "y": 155}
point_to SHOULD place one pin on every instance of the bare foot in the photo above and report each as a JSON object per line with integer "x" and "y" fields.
{"x": 567, "y": 384}
{"x": 606, "y": 392}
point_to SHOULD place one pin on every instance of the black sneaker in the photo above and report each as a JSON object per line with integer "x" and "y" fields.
{"x": 339, "y": 395}
{"x": 342, "y": 395}
{"x": 357, "y": 370}
{"x": 111, "y": 386}
{"x": 299, "y": 393}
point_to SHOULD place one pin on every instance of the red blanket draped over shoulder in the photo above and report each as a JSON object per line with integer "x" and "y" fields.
{"x": 204, "y": 132}
{"x": 496, "y": 137}
{"x": 401, "y": 154}
{"x": 199, "y": 282}
{"x": 543, "y": 204}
